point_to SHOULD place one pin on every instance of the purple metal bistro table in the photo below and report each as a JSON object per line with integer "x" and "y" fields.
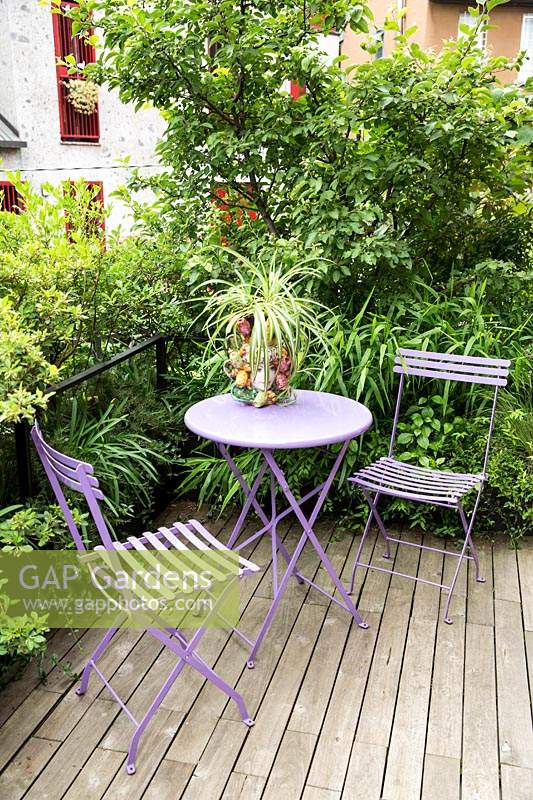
{"x": 317, "y": 419}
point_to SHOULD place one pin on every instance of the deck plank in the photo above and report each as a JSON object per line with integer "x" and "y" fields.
{"x": 529, "y": 652}
{"x": 313, "y": 697}
{"x": 480, "y": 610}
{"x": 93, "y": 780}
{"x": 333, "y": 750}
{"x": 24, "y": 768}
{"x": 243, "y": 787}
{"x": 373, "y": 591}
{"x": 169, "y": 781}
{"x": 212, "y": 771}
{"x": 480, "y": 777}
{"x": 403, "y": 776}
{"x": 445, "y": 725}
{"x": 442, "y": 778}
{"x": 427, "y": 597}
{"x": 506, "y": 583}
{"x": 318, "y": 793}
{"x": 22, "y": 723}
{"x": 70, "y": 758}
{"x": 287, "y": 778}
{"x": 154, "y": 742}
{"x": 525, "y": 565}
{"x": 261, "y": 745}
{"x": 365, "y": 771}
{"x": 335, "y": 742}
{"x": 338, "y": 549}
{"x": 514, "y": 707}
{"x": 517, "y": 783}
{"x": 58, "y": 648}
{"x": 380, "y": 696}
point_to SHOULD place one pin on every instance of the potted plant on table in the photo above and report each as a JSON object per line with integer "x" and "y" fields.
{"x": 266, "y": 323}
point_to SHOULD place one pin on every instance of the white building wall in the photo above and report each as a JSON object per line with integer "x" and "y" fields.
{"x": 28, "y": 97}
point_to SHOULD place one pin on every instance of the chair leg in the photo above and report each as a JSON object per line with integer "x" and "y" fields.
{"x": 374, "y": 512}
{"x": 212, "y": 676}
{"x": 134, "y": 742}
{"x": 383, "y": 531}
{"x": 86, "y": 674}
{"x": 359, "y": 551}
{"x": 467, "y": 526}
{"x": 183, "y": 649}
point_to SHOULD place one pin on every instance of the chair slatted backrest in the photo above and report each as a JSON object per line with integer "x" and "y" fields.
{"x": 450, "y": 367}
{"x": 77, "y": 475}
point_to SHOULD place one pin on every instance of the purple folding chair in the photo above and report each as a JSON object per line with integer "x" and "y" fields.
{"x": 419, "y": 484}
{"x": 77, "y": 475}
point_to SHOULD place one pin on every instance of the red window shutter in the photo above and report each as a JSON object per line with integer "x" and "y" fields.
{"x": 97, "y": 204}
{"x": 74, "y": 127}
{"x": 233, "y": 213}
{"x": 296, "y": 90}
{"x": 98, "y": 200}
{"x": 10, "y": 199}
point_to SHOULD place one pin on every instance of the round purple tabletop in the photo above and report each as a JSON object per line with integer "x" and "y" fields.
{"x": 316, "y": 418}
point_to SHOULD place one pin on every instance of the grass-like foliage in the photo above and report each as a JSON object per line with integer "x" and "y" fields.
{"x": 273, "y": 296}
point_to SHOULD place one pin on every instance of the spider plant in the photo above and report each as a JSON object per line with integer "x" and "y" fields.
{"x": 267, "y": 306}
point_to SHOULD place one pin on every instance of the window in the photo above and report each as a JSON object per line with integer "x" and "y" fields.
{"x": 10, "y": 199}
{"x": 94, "y": 210}
{"x": 379, "y": 42}
{"x": 471, "y": 22}
{"x": 296, "y": 90}
{"x": 234, "y": 207}
{"x": 526, "y": 43}
{"x": 74, "y": 126}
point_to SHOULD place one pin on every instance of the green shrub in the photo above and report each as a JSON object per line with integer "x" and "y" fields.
{"x": 38, "y": 526}
{"x": 24, "y": 369}
{"x": 413, "y": 161}
{"x": 21, "y": 638}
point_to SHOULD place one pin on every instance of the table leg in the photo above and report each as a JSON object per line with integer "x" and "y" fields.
{"x": 307, "y": 535}
{"x": 250, "y": 501}
{"x": 274, "y": 535}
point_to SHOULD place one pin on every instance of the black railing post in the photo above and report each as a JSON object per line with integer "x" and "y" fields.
{"x": 161, "y": 363}
{"x": 22, "y": 449}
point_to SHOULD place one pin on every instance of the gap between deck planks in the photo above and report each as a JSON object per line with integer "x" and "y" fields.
{"x": 411, "y": 708}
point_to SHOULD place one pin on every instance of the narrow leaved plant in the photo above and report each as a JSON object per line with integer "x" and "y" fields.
{"x": 267, "y": 304}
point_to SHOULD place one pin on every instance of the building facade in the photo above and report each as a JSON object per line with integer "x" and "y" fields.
{"x": 438, "y": 20}
{"x": 42, "y": 131}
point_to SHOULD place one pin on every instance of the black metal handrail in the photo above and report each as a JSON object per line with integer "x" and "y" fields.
{"x": 158, "y": 341}
{"x": 22, "y": 429}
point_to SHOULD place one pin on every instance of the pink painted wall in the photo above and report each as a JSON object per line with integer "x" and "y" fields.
{"x": 437, "y": 22}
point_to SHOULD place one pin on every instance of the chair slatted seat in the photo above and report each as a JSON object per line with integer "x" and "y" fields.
{"x": 401, "y": 479}
{"x": 170, "y": 539}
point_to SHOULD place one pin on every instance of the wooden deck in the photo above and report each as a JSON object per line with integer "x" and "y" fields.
{"x": 411, "y": 709}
